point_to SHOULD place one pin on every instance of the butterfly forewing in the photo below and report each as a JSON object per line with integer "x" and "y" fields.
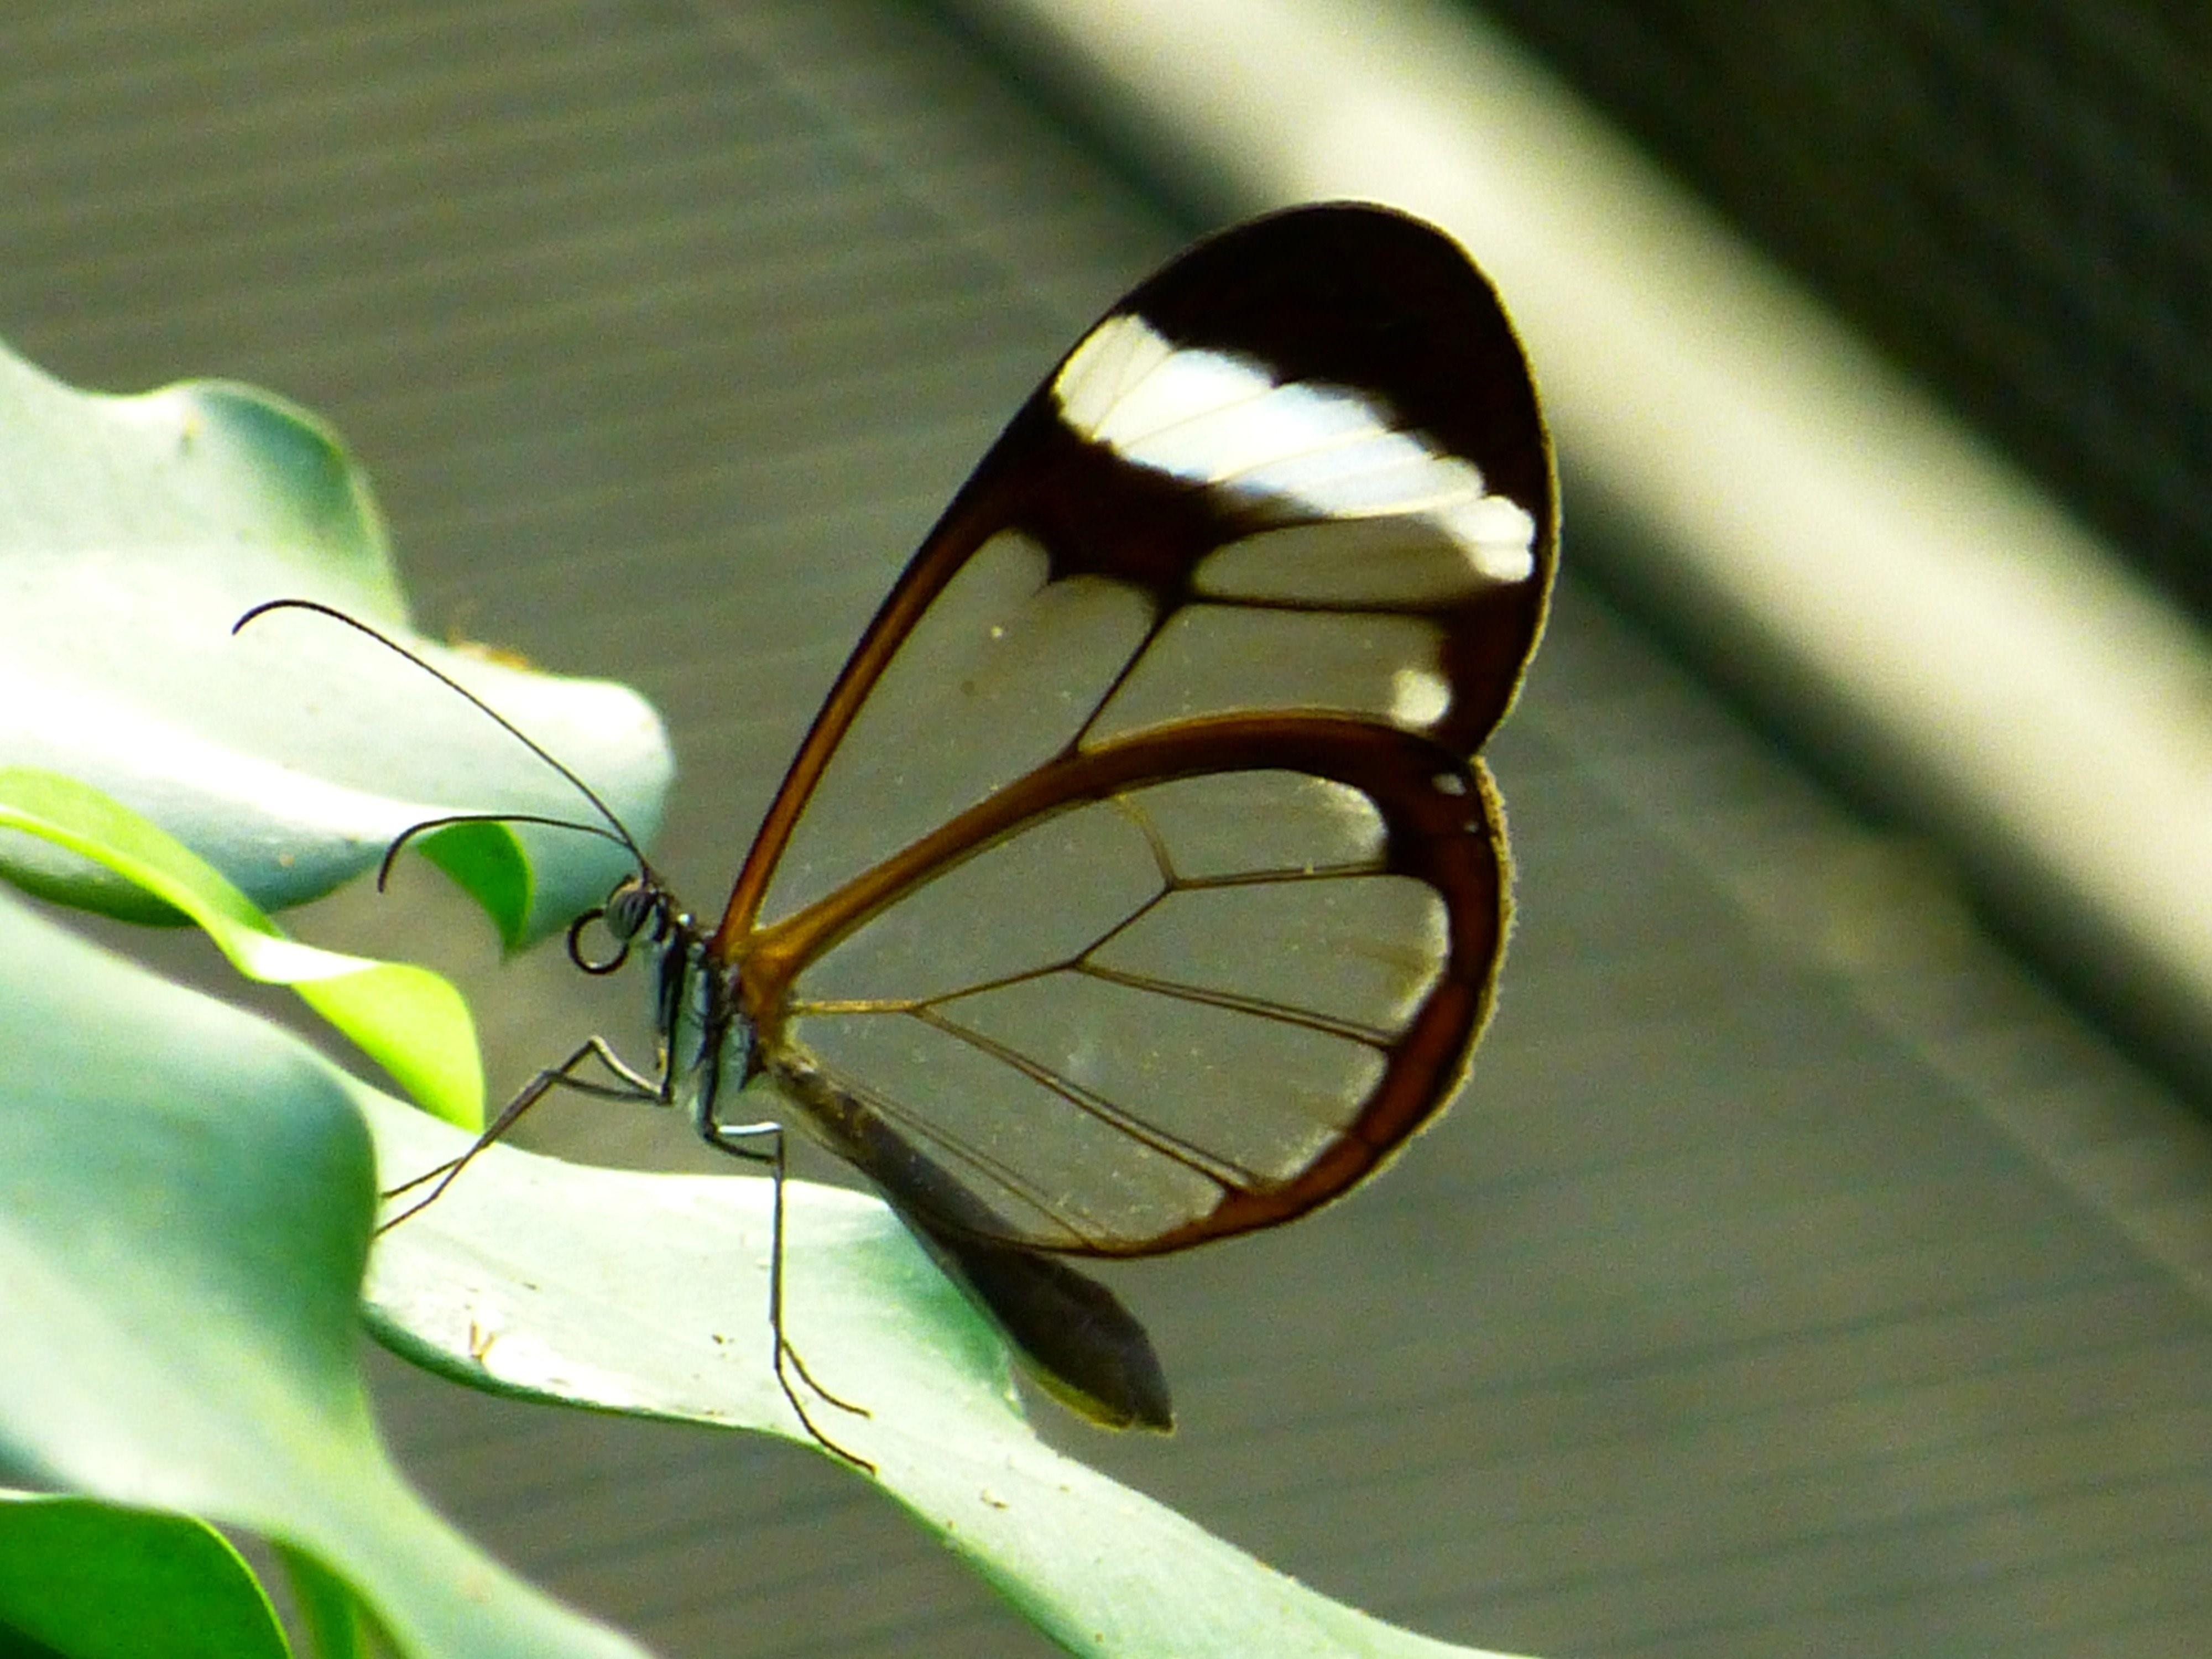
{"x": 1137, "y": 871}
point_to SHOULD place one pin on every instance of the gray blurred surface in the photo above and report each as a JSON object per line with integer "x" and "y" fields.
{"x": 2015, "y": 201}
{"x": 1795, "y": 1275}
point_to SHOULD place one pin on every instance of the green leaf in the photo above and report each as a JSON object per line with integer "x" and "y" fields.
{"x": 94, "y": 1580}
{"x": 335, "y": 1620}
{"x": 488, "y": 862}
{"x": 134, "y": 532}
{"x": 648, "y": 1294}
{"x": 186, "y": 1199}
{"x": 411, "y": 1021}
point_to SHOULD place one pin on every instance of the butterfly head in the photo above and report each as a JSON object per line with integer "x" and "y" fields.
{"x": 639, "y": 912}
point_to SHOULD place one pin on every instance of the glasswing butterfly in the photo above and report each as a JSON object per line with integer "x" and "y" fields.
{"x": 1137, "y": 885}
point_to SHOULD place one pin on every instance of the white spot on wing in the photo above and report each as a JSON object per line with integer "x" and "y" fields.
{"x": 1496, "y": 532}
{"x": 1354, "y": 816}
{"x": 1111, "y": 359}
{"x": 1418, "y": 698}
{"x": 1331, "y": 475}
{"x": 1189, "y": 386}
{"x": 1276, "y": 425}
{"x": 1325, "y": 451}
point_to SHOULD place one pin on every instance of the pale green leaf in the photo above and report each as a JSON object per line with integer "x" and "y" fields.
{"x": 408, "y": 1020}
{"x": 185, "y": 1197}
{"x": 134, "y": 532}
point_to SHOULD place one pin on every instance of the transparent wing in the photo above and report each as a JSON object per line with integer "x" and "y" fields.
{"x": 1164, "y": 1010}
{"x": 1136, "y": 870}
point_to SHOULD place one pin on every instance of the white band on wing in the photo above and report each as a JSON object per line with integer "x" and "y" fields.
{"x": 1218, "y": 418}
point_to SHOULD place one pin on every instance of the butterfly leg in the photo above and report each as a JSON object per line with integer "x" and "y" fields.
{"x": 745, "y": 1140}
{"x": 630, "y": 1084}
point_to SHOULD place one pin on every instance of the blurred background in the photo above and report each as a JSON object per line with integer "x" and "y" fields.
{"x": 2009, "y": 201}
{"x": 1817, "y": 1260}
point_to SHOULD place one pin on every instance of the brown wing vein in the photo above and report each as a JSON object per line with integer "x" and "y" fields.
{"x": 1282, "y": 1013}
{"x": 1008, "y": 1180}
{"x": 1279, "y": 876}
{"x": 1342, "y": 749}
{"x": 1191, "y": 1155}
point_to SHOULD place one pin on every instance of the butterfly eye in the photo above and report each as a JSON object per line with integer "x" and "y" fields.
{"x": 633, "y": 904}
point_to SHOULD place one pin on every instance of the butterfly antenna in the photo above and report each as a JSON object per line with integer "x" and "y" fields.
{"x": 399, "y": 841}
{"x": 615, "y": 831}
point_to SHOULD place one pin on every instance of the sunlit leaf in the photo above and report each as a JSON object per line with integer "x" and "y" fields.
{"x": 95, "y": 1580}
{"x": 408, "y": 1020}
{"x": 188, "y": 1200}
{"x": 134, "y": 532}
{"x": 647, "y": 1294}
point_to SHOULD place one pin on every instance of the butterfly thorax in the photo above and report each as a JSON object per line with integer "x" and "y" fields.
{"x": 690, "y": 1014}
{"x": 703, "y": 1044}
